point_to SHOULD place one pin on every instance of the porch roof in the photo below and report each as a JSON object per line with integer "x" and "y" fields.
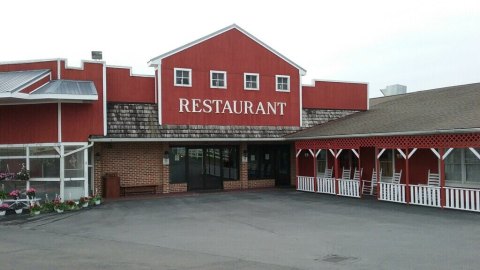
{"x": 442, "y": 110}
{"x": 139, "y": 122}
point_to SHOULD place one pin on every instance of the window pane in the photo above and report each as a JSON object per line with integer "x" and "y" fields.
{"x": 43, "y": 151}
{"x": 177, "y": 165}
{"x": 230, "y": 163}
{"x": 49, "y": 188}
{"x": 321, "y": 163}
{"x": 74, "y": 189}
{"x": 45, "y": 167}
{"x": 9, "y": 167}
{"x": 453, "y": 166}
{"x": 9, "y": 152}
{"x": 74, "y": 165}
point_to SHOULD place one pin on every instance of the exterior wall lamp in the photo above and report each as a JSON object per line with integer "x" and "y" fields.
{"x": 166, "y": 158}
{"x": 244, "y": 156}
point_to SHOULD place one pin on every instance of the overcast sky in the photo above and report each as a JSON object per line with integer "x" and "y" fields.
{"x": 421, "y": 44}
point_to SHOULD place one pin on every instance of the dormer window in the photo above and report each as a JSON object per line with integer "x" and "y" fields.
{"x": 251, "y": 81}
{"x": 183, "y": 77}
{"x": 218, "y": 79}
{"x": 282, "y": 83}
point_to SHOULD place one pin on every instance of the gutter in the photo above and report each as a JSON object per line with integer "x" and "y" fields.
{"x": 187, "y": 139}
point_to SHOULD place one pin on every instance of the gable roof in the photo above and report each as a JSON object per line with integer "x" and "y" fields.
{"x": 156, "y": 60}
{"x": 444, "y": 110}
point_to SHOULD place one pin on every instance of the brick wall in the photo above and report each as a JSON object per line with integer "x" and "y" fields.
{"x": 229, "y": 185}
{"x": 263, "y": 183}
{"x": 180, "y": 187}
{"x": 243, "y": 167}
{"x": 135, "y": 163}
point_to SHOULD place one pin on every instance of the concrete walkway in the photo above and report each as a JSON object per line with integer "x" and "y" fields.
{"x": 268, "y": 229}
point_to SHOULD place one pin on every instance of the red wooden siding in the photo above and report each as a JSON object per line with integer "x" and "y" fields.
{"x": 52, "y": 65}
{"x": 422, "y": 161}
{"x": 122, "y": 87}
{"x": 79, "y": 121}
{"x": 236, "y": 54}
{"x": 36, "y": 85}
{"x": 335, "y": 96}
{"x": 28, "y": 123}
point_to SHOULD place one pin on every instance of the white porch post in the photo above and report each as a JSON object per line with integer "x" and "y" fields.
{"x": 27, "y": 165}
{"x": 85, "y": 171}
{"x": 62, "y": 172}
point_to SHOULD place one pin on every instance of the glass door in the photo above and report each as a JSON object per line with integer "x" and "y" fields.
{"x": 195, "y": 169}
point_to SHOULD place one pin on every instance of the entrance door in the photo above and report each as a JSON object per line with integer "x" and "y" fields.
{"x": 282, "y": 155}
{"x": 195, "y": 169}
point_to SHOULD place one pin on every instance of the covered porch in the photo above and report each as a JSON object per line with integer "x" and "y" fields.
{"x": 429, "y": 170}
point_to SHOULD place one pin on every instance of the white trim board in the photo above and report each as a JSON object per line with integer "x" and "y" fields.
{"x": 154, "y": 61}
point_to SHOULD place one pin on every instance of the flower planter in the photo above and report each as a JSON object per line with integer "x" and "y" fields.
{"x": 98, "y": 202}
{"x": 85, "y": 205}
{"x": 2, "y": 213}
{"x": 19, "y": 211}
{"x": 35, "y": 213}
{"x": 59, "y": 211}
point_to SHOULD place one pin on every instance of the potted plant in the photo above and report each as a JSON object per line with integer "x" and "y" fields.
{"x": 35, "y": 209}
{"x": 3, "y": 209}
{"x": 15, "y": 194}
{"x": 23, "y": 174}
{"x": 97, "y": 199}
{"x": 59, "y": 206}
{"x": 31, "y": 193}
{"x": 48, "y": 206}
{"x": 84, "y": 201}
{"x": 18, "y": 207}
{"x": 3, "y": 195}
{"x": 71, "y": 205}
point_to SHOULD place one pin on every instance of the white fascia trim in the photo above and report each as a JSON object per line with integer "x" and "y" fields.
{"x": 159, "y": 94}
{"x": 332, "y": 81}
{"x": 389, "y": 134}
{"x": 155, "y": 60}
{"x": 82, "y": 64}
{"x": 131, "y": 73}
{"x": 186, "y": 139}
{"x": 41, "y": 144}
{"x": 276, "y": 83}
{"x": 59, "y": 70}
{"x": 245, "y": 81}
{"x": 300, "y": 93}
{"x": 59, "y": 121}
{"x": 54, "y": 96}
{"x": 31, "y": 61}
{"x": 211, "y": 79}
{"x": 104, "y": 87}
{"x": 189, "y": 77}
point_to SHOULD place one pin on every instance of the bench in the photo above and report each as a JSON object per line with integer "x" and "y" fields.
{"x": 139, "y": 189}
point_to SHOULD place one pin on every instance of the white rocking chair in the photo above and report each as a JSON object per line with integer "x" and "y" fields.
{"x": 371, "y": 188}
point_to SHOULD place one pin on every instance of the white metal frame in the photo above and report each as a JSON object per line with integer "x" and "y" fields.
{"x": 245, "y": 81}
{"x": 277, "y": 83}
{"x": 189, "y": 70}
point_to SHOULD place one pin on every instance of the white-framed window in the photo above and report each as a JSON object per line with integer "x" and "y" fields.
{"x": 462, "y": 167}
{"x": 251, "y": 81}
{"x": 282, "y": 83}
{"x": 218, "y": 79}
{"x": 322, "y": 163}
{"x": 182, "y": 76}
{"x": 387, "y": 164}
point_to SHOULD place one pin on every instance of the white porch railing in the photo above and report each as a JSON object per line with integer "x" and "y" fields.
{"x": 392, "y": 192}
{"x": 306, "y": 183}
{"x": 425, "y": 195}
{"x": 349, "y": 188}
{"x": 462, "y": 199}
{"x": 326, "y": 185}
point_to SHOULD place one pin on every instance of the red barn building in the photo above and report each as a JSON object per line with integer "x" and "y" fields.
{"x": 223, "y": 112}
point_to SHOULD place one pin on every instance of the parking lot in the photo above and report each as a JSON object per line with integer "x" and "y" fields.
{"x": 264, "y": 229}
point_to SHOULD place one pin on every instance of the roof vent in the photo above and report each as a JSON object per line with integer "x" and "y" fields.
{"x": 393, "y": 90}
{"x": 97, "y": 55}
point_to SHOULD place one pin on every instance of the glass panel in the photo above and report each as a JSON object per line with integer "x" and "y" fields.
{"x": 472, "y": 164}
{"x": 230, "y": 163}
{"x": 386, "y": 163}
{"x": 45, "y": 167}
{"x": 453, "y": 166}
{"x": 177, "y": 165}
{"x": 50, "y": 188}
{"x": 12, "y": 185}
{"x": 13, "y": 152}
{"x": 74, "y": 165}
{"x": 9, "y": 167}
{"x": 321, "y": 163}
{"x": 74, "y": 189}
{"x": 43, "y": 151}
